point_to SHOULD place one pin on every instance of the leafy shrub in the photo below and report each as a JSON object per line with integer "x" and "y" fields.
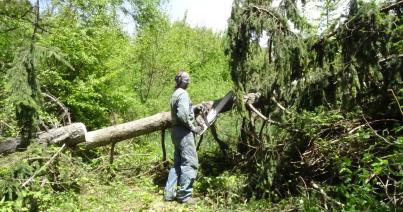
{"x": 225, "y": 189}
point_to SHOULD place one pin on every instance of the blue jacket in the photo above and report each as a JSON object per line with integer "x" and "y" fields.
{"x": 181, "y": 109}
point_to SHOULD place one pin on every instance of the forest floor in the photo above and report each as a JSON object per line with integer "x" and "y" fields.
{"x": 137, "y": 179}
{"x": 137, "y": 184}
{"x": 139, "y": 195}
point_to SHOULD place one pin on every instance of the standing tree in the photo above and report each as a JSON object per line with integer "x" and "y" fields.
{"x": 23, "y": 75}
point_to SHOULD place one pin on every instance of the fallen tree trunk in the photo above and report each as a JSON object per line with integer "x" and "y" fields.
{"x": 70, "y": 135}
{"x": 138, "y": 127}
{"x": 125, "y": 131}
{"x": 76, "y": 134}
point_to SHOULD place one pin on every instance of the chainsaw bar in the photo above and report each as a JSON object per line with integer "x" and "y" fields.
{"x": 212, "y": 115}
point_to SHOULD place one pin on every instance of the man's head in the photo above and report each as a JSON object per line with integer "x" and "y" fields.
{"x": 182, "y": 79}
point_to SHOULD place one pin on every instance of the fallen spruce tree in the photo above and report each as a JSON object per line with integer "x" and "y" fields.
{"x": 340, "y": 144}
{"x": 76, "y": 134}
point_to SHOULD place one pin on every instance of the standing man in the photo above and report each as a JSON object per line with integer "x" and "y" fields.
{"x": 184, "y": 169}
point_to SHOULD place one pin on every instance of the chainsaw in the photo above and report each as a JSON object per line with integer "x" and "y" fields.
{"x": 210, "y": 115}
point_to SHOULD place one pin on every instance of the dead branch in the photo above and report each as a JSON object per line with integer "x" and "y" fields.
{"x": 362, "y": 125}
{"x": 389, "y": 58}
{"x": 397, "y": 101}
{"x": 316, "y": 186}
{"x": 279, "y": 105}
{"x": 379, "y": 136}
{"x": 43, "y": 167}
{"x": 391, "y": 6}
{"x": 257, "y": 112}
{"x": 66, "y": 112}
{"x": 7, "y": 125}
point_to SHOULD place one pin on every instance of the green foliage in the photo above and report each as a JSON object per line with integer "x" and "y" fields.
{"x": 224, "y": 190}
{"x": 36, "y": 195}
{"x": 96, "y": 73}
{"x": 161, "y": 52}
{"x": 78, "y": 51}
{"x": 89, "y": 70}
{"x": 338, "y": 126}
{"x": 337, "y": 145}
{"x": 88, "y": 44}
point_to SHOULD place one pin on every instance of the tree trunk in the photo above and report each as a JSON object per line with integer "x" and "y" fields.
{"x": 127, "y": 130}
{"x": 70, "y": 135}
{"x": 76, "y": 134}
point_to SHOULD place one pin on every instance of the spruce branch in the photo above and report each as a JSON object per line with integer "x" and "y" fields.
{"x": 267, "y": 11}
{"x": 333, "y": 33}
{"x": 278, "y": 19}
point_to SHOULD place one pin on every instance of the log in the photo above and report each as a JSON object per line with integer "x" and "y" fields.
{"x": 76, "y": 134}
{"x": 10, "y": 145}
{"x": 127, "y": 130}
{"x": 157, "y": 122}
{"x": 70, "y": 135}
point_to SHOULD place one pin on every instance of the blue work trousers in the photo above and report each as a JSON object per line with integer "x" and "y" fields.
{"x": 184, "y": 170}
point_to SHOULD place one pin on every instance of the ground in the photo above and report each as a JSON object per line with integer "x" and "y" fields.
{"x": 135, "y": 183}
{"x": 136, "y": 180}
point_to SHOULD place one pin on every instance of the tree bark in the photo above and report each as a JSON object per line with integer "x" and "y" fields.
{"x": 127, "y": 130}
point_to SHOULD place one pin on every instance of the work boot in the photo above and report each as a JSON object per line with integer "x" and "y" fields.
{"x": 167, "y": 200}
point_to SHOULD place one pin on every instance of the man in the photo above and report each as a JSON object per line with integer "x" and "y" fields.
{"x": 184, "y": 170}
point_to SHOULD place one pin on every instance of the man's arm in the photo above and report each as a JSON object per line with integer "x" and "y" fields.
{"x": 185, "y": 114}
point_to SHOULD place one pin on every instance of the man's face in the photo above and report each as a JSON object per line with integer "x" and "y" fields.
{"x": 185, "y": 85}
{"x": 185, "y": 81}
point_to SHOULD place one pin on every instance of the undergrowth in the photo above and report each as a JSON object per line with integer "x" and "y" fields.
{"x": 339, "y": 163}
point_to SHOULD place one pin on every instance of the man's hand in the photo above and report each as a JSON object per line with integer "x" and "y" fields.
{"x": 197, "y": 129}
{"x": 200, "y": 108}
